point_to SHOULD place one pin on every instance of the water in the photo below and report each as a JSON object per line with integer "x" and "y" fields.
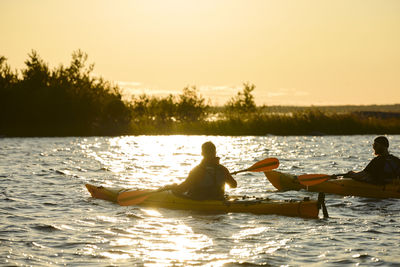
{"x": 49, "y": 219}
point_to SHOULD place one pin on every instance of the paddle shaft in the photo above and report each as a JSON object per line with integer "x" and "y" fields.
{"x": 236, "y": 172}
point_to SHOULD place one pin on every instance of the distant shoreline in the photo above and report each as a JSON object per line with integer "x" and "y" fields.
{"x": 311, "y": 122}
{"x": 69, "y": 101}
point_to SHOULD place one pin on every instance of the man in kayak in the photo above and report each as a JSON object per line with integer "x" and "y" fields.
{"x": 207, "y": 180}
{"x": 382, "y": 169}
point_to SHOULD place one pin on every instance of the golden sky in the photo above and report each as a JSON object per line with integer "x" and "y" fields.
{"x": 302, "y": 52}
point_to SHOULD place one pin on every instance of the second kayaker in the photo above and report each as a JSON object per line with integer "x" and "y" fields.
{"x": 207, "y": 180}
{"x": 383, "y": 168}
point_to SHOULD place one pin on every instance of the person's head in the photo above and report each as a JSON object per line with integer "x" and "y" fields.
{"x": 208, "y": 150}
{"x": 381, "y": 145}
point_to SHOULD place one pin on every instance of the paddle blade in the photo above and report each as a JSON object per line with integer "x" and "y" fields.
{"x": 264, "y": 165}
{"x": 313, "y": 179}
{"x": 130, "y": 198}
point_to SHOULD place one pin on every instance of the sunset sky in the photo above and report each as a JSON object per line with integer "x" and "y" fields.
{"x": 298, "y": 52}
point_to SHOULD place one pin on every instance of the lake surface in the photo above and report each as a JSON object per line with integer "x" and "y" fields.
{"x": 49, "y": 219}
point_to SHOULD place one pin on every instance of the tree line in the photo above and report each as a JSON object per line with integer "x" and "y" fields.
{"x": 70, "y": 100}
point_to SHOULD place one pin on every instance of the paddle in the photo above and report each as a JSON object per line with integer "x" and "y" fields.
{"x": 130, "y": 198}
{"x": 261, "y": 166}
{"x": 314, "y": 179}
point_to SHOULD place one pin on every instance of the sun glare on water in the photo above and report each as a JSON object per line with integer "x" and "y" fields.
{"x": 172, "y": 241}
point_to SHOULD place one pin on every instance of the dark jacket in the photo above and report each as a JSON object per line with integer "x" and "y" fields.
{"x": 383, "y": 169}
{"x": 207, "y": 181}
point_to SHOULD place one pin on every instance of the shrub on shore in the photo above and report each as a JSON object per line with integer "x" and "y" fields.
{"x": 64, "y": 101}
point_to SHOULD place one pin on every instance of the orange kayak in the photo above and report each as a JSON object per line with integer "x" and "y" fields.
{"x": 342, "y": 186}
{"x": 166, "y": 199}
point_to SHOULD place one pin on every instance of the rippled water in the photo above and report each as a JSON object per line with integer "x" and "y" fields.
{"x": 48, "y": 217}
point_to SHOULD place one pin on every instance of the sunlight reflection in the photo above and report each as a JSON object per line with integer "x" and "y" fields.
{"x": 250, "y": 232}
{"x": 273, "y": 246}
{"x": 115, "y": 256}
{"x": 181, "y": 246}
{"x": 124, "y": 241}
{"x": 108, "y": 219}
{"x": 171, "y": 242}
{"x": 250, "y": 249}
{"x": 152, "y": 212}
{"x": 90, "y": 249}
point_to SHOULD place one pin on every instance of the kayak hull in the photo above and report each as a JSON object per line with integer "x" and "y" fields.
{"x": 166, "y": 199}
{"x": 343, "y": 186}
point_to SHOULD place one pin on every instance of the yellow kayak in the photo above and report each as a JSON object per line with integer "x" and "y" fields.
{"x": 166, "y": 199}
{"x": 342, "y": 186}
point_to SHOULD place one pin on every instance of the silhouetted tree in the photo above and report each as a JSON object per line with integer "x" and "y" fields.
{"x": 64, "y": 101}
{"x": 243, "y": 102}
{"x": 191, "y": 105}
{"x": 152, "y": 108}
{"x": 187, "y": 107}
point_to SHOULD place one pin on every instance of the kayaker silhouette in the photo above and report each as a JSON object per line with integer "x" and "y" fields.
{"x": 207, "y": 180}
{"x": 382, "y": 169}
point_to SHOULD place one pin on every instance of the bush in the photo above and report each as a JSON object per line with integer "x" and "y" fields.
{"x": 187, "y": 107}
{"x": 191, "y": 106}
{"x": 63, "y": 101}
{"x": 243, "y": 102}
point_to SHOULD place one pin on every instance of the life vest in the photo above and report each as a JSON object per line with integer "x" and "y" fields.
{"x": 211, "y": 184}
{"x": 391, "y": 168}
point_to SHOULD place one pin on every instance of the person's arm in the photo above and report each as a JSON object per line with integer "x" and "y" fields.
{"x": 182, "y": 187}
{"x": 229, "y": 179}
{"x": 185, "y": 185}
{"x": 365, "y": 174}
{"x": 358, "y": 176}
